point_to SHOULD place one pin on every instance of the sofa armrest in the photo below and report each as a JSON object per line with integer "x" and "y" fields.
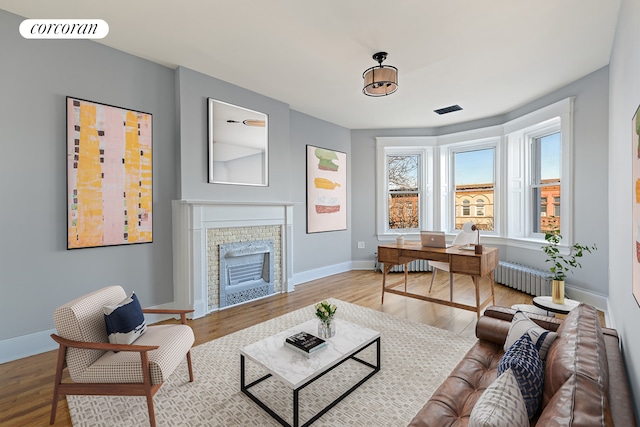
{"x": 493, "y": 330}
{"x": 503, "y": 313}
{"x": 494, "y": 325}
{"x": 620, "y": 399}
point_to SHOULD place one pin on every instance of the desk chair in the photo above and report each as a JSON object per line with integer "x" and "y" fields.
{"x": 464, "y": 237}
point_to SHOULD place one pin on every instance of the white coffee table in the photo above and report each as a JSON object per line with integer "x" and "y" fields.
{"x": 297, "y": 371}
{"x": 546, "y": 303}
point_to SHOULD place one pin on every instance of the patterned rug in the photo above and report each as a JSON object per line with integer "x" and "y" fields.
{"x": 415, "y": 359}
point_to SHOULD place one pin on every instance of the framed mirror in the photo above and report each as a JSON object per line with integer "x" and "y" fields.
{"x": 238, "y": 145}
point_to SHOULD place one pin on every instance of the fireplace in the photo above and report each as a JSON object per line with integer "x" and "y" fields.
{"x": 246, "y": 271}
{"x": 199, "y": 230}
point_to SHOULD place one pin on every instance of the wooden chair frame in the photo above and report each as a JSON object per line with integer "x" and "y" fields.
{"x": 112, "y": 389}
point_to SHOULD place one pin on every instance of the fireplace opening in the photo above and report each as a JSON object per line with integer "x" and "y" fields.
{"x": 246, "y": 271}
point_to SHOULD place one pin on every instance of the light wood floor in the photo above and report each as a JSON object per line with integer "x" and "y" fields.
{"x": 27, "y": 384}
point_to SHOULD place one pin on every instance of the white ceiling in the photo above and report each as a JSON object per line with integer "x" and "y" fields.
{"x": 488, "y": 56}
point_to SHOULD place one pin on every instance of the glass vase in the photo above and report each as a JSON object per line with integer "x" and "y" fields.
{"x": 326, "y": 328}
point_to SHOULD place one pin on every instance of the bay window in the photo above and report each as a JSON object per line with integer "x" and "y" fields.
{"x": 512, "y": 180}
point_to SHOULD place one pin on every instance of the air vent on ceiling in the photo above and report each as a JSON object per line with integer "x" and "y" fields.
{"x": 449, "y": 109}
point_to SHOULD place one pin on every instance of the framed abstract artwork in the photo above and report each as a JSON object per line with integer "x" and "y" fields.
{"x": 109, "y": 175}
{"x": 326, "y": 190}
{"x": 635, "y": 156}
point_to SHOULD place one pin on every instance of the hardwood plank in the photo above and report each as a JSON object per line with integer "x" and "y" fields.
{"x": 25, "y": 398}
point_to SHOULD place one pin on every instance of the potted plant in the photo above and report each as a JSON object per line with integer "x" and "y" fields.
{"x": 562, "y": 264}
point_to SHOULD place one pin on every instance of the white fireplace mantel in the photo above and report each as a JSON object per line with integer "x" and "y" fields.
{"x": 192, "y": 219}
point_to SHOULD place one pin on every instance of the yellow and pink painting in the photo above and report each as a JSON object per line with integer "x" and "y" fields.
{"x": 109, "y": 175}
{"x": 635, "y": 156}
{"x": 326, "y": 190}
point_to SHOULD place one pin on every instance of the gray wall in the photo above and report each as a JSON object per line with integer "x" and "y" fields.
{"x": 590, "y": 178}
{"x": 193, "y": 89}
{"x": 624, "y": 99}
{"x": 37, "y": 273}
{"x": 289, "y": 133}
{"x": 317, "y": 250}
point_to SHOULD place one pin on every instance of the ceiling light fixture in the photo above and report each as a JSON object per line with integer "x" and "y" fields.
{"x": 380, "y": 80}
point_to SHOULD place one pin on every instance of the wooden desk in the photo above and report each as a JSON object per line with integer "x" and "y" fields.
{"x": 460, "y": 261}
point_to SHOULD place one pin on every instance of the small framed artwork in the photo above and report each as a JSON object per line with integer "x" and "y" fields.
{"x": 635, "y": 156}
{"x": 326, "y": 190}
{"x": 109, "y": 175}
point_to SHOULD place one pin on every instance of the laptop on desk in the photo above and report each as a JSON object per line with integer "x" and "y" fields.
{"x": 433, "y": 239}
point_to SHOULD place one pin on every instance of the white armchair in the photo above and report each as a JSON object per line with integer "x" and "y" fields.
{"x": 98, "y": 367}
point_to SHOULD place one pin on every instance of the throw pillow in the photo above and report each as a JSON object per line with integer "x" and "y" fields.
{"x": 500, "y": 405}
{"x": 541, "y": 338}
{"x": 125, "y": 321}
{"x": 524, "y": 360}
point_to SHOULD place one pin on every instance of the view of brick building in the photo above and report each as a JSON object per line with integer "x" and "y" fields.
{"x": 473, "y": 203}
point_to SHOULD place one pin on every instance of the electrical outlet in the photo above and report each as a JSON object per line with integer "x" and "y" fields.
{"x": 360, "y": 245}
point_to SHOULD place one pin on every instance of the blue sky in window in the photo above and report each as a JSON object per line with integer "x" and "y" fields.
{"x": 477, "y": 166}
{"x": 550, "y": 156}
{"x": 474, "y": 167}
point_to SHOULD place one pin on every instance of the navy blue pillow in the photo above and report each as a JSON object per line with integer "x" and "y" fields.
{"x": 524, "y": 360}
{"x": 125, "y": 321}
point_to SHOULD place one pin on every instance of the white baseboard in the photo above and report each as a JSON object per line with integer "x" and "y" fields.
{"x": 41, "y": 342}
{"x": 26, "y": 345}
{"x": 319, "y": 273}
{"x": 363, "y": 265}
{"x": 600, "y": 302}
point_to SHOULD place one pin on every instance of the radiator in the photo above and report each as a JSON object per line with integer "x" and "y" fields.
{"x": 416, "y": 265}
{"x": 526, "y": 279}
{"x": 520, "y": 277}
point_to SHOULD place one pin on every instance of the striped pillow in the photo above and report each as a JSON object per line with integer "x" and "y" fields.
{"x": 541, "y": 338}
{"x": 125, "y": 321}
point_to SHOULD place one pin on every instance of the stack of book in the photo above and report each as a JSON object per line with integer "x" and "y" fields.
{"x": 305, "y": 343}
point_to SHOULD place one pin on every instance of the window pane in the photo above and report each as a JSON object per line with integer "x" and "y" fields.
{"x": 546, "y": 182}
{"x": 403, "y": 211}
{"x": 475, "y": 182}
{"x": 545, "y": 222}
{"x": 403, "y": 191}
{"x": 466, "y": 211}
{"x": 403, "y": 173}
{"x": 550, "y": 158}
{"x": 480, "y": 207}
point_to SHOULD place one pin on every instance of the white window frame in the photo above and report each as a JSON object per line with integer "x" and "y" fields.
{"x": 520, "y": 134}
{"x": 512, "y": 209}
{"x": 448, "y": 153}
{"x": 422, "y": 146}
{"x": 552, "y": 127}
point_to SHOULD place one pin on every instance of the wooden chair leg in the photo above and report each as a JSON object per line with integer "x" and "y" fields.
{"x": 190, "y": 366}
{"x": 146, "y": 374}
{"x": 62, "y": 352}
{"x": 450, "y": 286}
{"x": 433, "y": 276}
{"x": 152, "y": 413}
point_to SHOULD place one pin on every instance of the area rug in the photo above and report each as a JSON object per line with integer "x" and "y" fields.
{"x": 415, "y": 359}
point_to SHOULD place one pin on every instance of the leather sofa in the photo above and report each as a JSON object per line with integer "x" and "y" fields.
{"x": 585, "y": 382}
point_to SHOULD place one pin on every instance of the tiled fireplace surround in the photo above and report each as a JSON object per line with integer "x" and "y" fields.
{"x": 199, "y": 227}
